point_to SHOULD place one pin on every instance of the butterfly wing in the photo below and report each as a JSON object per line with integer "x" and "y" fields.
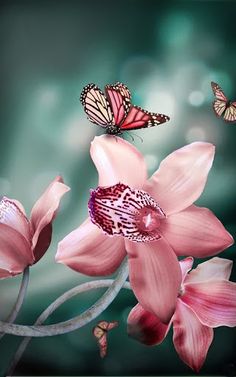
{"x": 103, "y": 325}
{"x": 218, "y": 92}
{"x": 119, "y": 99}
{"x": 106, "y": 326}
{"x": 124, "y": 90}
{"x": 111, "y": 325}
{"x": 102, "y": 342}
{"x": 230, "y": 113}
{"x": 140, "y": 118}
{"x": 219, "y": 107}
{"x": 98, "y": 332}
{"x": 96, "y": 106}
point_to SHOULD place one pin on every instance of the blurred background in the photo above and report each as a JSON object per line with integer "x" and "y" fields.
{"x": 167, "y": 53}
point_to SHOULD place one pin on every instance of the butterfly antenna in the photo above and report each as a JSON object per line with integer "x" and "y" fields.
{"x": 139, "y": 138}
{"x": 129, "y": 135}
{"x": 116, "y": 138}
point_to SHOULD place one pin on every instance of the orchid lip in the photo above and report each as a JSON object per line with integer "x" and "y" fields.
{"x": 121, "y": 210}
{"x": 8, "y": 209}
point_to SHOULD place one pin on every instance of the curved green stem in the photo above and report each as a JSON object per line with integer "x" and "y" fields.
{"x": 58, "y": 302}
{"x": 76, "y": 322}
{"x": 20, "y": 299}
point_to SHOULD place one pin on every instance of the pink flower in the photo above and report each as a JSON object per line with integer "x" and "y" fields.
{"x": 206, "y": 300}
{"x": 23, "y": 242}
{"x": 159, "y": 209}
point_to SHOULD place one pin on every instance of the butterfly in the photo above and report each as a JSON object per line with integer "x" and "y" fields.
{"x": 114, "y": 110}
{"x": 222, "y": 106}
{"x": 100, "y": 332}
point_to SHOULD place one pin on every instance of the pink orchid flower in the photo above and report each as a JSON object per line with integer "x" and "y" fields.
{"x": 159, "y": 209}
{"x": 23, "y": 242}
{"x": 207, "y": 299}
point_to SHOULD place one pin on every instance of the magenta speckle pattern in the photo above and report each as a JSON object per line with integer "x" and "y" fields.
{"x": 116, "y": 210}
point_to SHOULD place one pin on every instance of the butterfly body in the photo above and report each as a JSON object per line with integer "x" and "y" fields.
{"x": 228, "y": 103}
{"x": 113, "y": 130}
{"x": 222, "y": 106}
{"x": 114, "y": 111}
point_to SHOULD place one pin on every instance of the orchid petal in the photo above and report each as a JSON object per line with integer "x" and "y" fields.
{"x": 120, "y": 210}
{"x": 146, "y": 327}
{"x": 11, "y": 214}
{"x": 195, "y": 231}
{"x": 89, "y": 251}
{"x": 43, "y": 214}
{"x": 191, "y": 338}
{"x": 185, "y": 264}
{"x": 155, "y": 276}
{"x": 15, "y": 252}
{"x": 117, "y": 161}
{"x": 214, "y": 302}
{"x": 6, "y": 274}
{"x": 181, "y": 177}
{"x": 213, "y": 269}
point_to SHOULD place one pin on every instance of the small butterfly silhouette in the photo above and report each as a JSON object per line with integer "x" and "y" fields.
{"x": 222, "y": 106}
{"x": 100, "y": 332}
{"x": 114, "y": 111}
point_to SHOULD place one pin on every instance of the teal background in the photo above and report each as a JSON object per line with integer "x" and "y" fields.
{"x": 167, "y": 53}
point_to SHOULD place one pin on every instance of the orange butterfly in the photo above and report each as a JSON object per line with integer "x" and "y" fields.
{"x": 100, "y": 332}
{"x": 222, "y": 106}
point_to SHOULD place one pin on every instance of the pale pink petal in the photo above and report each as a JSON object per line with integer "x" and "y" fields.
{"x": 117, "y": 161}
{"x": 191, "y": 338}
{"x": 15, "y": 252}
{"x": 120, "y": 210}
{"x": 146, "y": 327}
{"x": 181, "y": 177}
{"x": 195, "y": 231}
{"x": 12, "y": 215}
{"x": 213, "y": 269}
{"x": 43, "y": 214}
{"x": 89, "y": 251}
{"x": 5, "y": 274}
{"x": 214, "y": 302}
{"x": 155, "y": 276}
{"x": 185, "y": 264}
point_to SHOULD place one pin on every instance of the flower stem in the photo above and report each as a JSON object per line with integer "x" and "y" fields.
{"x": 20, "y": 299}
{"x": 85, "y": 287}
{"x": 76, "y": 322}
